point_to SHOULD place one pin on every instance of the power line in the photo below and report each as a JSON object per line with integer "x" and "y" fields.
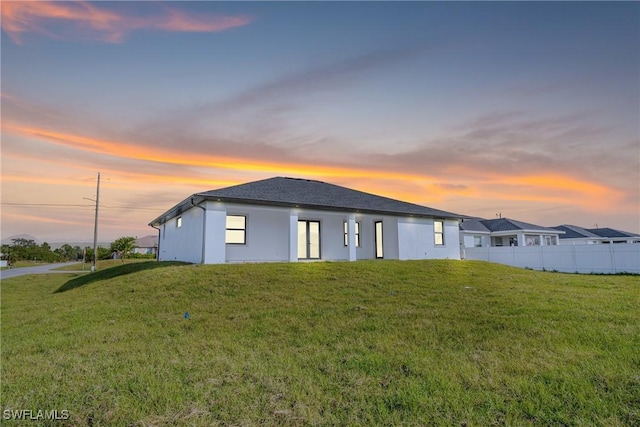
{"x": 69, "y": 205}
{"x": 61, "y": 205}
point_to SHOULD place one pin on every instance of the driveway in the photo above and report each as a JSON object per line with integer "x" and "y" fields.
{"x": 40, "y": 269}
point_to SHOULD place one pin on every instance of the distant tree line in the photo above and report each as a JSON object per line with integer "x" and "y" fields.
{"x": 28, "y": 250}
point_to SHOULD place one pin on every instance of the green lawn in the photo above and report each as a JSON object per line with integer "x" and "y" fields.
{"x": 102, "y": 264}
{"x": 22, "y": 264}
{"x": 452, "y": 343}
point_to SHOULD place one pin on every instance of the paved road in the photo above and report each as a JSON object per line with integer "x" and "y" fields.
{"x": 40, "y": 269}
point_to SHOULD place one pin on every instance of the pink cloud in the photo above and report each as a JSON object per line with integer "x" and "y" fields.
{"x": 86, "y": 21}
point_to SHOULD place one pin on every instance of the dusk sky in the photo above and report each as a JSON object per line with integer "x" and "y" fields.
{"x": 531, "y": 110}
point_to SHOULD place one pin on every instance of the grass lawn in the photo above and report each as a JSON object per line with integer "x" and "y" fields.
{"x": 452, "y": 343}
{"x": 102, "y": 264}
{"x": 22, "y": 264}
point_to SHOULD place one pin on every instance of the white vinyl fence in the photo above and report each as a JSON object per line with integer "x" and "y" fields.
{"x": 611, "y": 258}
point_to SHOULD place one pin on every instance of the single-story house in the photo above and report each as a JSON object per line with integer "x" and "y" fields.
{"x": 577, "y": 235}
{"x": 147, "y": 245}
{"x": 478, "y": 232}
{"x": 290, "y": 219}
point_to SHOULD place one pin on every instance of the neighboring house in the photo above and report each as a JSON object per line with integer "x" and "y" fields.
{"x": 577, "y": 235}
{"x": 289, "y": 219}
{"x": 147, "y": 245}
{"x": 477, "y": 232}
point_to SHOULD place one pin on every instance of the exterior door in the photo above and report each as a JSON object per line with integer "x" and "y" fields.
{"x": 308, "y": 239}
{"x": 378, "y": 239}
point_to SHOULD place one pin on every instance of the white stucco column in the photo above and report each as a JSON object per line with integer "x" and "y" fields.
{"x": 351, "y": 230}
{"x": 521, "y": 240}
{"x": 293, "y": 236}
{"x": 214, "y": 234}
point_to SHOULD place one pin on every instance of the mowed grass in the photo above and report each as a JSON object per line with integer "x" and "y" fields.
{"x": 102, "y": 264}
{"x": 453, "y": 343}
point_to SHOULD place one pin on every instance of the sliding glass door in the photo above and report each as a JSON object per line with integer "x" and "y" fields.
{"x": 308, "y": 239}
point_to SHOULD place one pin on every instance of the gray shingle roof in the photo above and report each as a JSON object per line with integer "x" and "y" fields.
{"x": 575, "y": 232}
{"x": 610, "y": 232}
{"x": 502, "y": 224}
{"x": 147, "y": 242}
{"x": 305, "y": 193}
{"x": 475, "y": 225}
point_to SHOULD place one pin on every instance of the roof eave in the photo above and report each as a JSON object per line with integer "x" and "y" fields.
{"x": 475, "y": 231}
{"x": 193, "y": 200}
{"x": 198, "y": 198}
{"x": 522, "y": 230}
{"x": 439, "y": 214}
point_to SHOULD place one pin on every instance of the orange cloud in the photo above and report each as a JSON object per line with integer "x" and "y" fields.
{"x": 98, "y": 24}
{"x": 159, "y": 155}
{"x": 545, "y": 187}
{"x": 48, "y": 219}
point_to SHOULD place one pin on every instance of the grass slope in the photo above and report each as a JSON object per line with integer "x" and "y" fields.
{"x": 365, "y": 343}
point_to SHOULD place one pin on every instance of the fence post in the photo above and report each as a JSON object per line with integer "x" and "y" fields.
{"x": 613, "y": 258}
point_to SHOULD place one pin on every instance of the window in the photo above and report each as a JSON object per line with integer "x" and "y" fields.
{"x": 550, "y": 240}
{"x": 378, "y": 239}
{"x": 236, "y": 230}
{"x": 532, "y": 240}
{"x": 346, "y": 234}
{"x": 179, "y": 222}
{"x": 477, "y": 241}
{"x": 438, "y": 232}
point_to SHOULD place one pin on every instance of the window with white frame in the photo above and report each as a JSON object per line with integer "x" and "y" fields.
{"x": 236, "y": 230}
{"x": 346, "y": 234}
{"x": 532, "y": 240}
{"x": 438, "y": 232}
{"x": 477, "y": 241}
{"x": 179, "y": 222}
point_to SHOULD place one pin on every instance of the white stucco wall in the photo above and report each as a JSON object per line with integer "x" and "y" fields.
{"x": 416, "y": 239}
{"x": 468, "y": 239}
{"x": 271, "y": 235}
{"x": 267, "y": 234}
{"x": 184, "y": 243}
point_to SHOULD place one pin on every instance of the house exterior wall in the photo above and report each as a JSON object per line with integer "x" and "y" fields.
{"x": 145, "y": 251}
{"x": 267, "y": 234}
{"x": 580, "y": 241}
{"x": 416, "y": 239}
{"x": 268, "y": 237}
{"x": 594, "y": 241}
{"x": 467, "y": 239}
{"x": 271, "y": 235}
{"x": 505, "y": 239}
{"x": 183, "y": 243}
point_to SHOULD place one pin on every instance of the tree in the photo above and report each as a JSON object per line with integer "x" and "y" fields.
{"x": 67, "y": 252}
{"x": 123, "y": 246}
{"x": 103, "y": 253}
{"x": 23, "y": 249}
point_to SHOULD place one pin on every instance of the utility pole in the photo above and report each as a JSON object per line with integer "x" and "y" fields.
{"x": 95, "y": 228}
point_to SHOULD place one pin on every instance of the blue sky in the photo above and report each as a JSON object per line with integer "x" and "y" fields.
{"x": 526, "y": 109}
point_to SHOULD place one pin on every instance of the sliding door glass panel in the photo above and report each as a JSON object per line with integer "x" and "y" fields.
{"x": 302, "y": 239}
{"x": 314, "y": 240}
